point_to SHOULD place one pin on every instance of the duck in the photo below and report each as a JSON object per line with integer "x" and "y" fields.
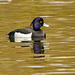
{"x": 29, "y": 33}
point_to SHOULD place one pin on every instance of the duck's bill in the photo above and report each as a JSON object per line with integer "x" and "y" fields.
{"x": 46, "y": 25}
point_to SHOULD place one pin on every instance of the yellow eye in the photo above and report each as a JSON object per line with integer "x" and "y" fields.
{"x": 40, "y": 21}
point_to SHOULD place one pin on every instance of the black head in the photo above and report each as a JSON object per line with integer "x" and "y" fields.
{"x": 37, "y": 23}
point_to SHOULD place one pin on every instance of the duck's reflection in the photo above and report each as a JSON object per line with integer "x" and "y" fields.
{"x": 38, "y": 48}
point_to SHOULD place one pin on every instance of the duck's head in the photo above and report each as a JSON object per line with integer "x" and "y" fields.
{"x": 37, "y": 23}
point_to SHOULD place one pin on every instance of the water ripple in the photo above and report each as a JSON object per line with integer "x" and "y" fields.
{"x": 33, "y": 66}
{"x": 65, "y": 69}
{"x": 54, "y": 73}
{"x": 61, "y": 2}
{"x": 63, "y": 57}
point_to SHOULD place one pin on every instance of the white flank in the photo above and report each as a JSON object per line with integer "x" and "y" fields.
{"x": 19, "y": 37}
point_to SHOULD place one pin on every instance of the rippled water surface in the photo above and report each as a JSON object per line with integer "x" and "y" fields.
{"x": 56, "y": 56}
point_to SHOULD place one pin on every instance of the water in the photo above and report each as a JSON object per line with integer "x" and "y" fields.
{"x": 56, "y": 56}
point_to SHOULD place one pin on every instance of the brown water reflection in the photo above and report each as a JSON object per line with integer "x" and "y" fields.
{"x": 59, "y": 46}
